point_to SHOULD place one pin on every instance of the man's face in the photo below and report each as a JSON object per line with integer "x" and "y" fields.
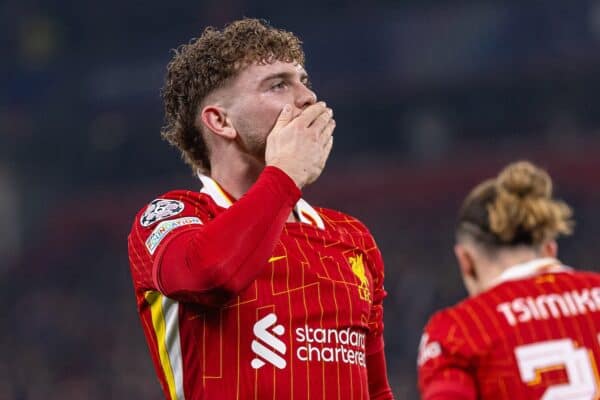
{"x": 258, "y": 94}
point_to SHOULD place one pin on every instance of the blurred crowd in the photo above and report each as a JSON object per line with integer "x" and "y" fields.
{"x": 430, "y": 97}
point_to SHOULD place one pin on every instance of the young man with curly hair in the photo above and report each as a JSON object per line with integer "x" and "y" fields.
{"x": 245, "y": 291}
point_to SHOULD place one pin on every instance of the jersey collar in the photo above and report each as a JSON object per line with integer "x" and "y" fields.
{"x": 531, "y": 268}
{"x": 304, "y": 211}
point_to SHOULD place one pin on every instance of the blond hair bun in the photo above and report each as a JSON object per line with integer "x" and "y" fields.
{"x": 524, "y": 207}
{"x": 523, "y": 179}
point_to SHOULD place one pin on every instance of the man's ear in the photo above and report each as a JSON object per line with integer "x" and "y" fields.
{"x": 216, "y": 120}
{"x": 550, "y": 249}
{"x": 466, "y": 263}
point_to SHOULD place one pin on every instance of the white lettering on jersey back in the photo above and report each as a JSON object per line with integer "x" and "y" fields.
{"x": 552, "y": 305}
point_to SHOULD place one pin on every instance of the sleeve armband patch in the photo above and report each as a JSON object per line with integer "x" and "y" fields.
{"x": 160, "y": 209}
{"x": 162, "y": 229}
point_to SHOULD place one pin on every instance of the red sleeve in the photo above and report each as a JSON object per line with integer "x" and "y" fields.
{"x": 445, "y": 363}
{"x": 375, "y": 337}
{"x": 379, "y": 387}
{"x": 219, "y": 259}
{"x": 193, "y": 255}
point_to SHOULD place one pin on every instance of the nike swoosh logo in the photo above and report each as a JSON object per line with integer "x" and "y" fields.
{"x": 275, "y": 258}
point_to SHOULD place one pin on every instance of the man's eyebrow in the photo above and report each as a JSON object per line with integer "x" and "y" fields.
{"x": 284, "y": 75}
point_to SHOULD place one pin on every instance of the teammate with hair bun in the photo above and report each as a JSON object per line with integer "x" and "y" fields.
{"x": 530, "y": 329}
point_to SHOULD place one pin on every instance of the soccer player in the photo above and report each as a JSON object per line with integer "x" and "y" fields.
{"x": 530, "y": 329}
{"x": 245, "y": 290}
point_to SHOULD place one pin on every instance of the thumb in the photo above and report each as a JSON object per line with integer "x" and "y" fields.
{"x": 284, "y": 117}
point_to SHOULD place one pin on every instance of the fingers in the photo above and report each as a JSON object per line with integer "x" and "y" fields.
{"x": 285, "y": 116}
{"x": 328, "y": 147}
{"x": 311, "y": 113}
{"x": 300, "y": 145}
{"x": 321, "y": 122}
{"x": 327, "y": 131}
{"x": 326, "y": 151}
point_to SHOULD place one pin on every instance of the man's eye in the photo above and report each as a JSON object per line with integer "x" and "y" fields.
{"x": 279, "y": 85}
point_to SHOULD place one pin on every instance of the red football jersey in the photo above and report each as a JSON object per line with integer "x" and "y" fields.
{"x": 534, "y": 335}
{"x": 303, "y": 328}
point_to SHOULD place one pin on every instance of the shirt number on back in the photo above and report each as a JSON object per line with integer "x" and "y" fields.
{"x": 534, "y": 359}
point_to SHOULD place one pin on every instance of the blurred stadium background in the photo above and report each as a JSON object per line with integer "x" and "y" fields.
{"x": 430, "y": 97}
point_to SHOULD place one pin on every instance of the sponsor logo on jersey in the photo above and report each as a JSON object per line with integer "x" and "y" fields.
{"x": 160, "y": 209}
{"x": 162, "y": 229}
{"x": 320, "y": 345}
{"x": 331, "y": 345}
{"x": 268, "y": 347}
{"x": 358, "y": 268}
{"x": 428, "y": 350}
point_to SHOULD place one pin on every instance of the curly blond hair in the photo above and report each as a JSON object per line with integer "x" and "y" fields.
{"x": 205, "y": 64}
{"x": 515, "y": 208}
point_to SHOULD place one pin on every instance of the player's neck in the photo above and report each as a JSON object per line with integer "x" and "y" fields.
{"x": 236, "y": 176}
{"x": 503, "y": 261}
{"x": 511, "y": 258}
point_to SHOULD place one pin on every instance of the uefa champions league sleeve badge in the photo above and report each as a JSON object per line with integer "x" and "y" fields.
{"x": 160, "y": 209}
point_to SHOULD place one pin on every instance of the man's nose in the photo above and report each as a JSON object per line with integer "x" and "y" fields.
{"x": 305, "y": 98}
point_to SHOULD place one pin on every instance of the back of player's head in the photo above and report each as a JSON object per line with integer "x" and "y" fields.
{"x": 205, "y": 64}
{"x": 515, "y": 208}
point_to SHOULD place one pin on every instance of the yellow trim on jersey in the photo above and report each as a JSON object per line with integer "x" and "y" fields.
{"x": 275, "y": 258}
{"x": 306, "y": 213}
{"x": 215, "y": 192}
{"x": 224, "y": 194}
{"x": 158, "y": 322}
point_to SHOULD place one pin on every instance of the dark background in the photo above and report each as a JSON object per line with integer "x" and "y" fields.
{"x": 430, "y": 97}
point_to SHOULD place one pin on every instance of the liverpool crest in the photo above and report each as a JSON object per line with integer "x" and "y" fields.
{"x": 358, "y": 267}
